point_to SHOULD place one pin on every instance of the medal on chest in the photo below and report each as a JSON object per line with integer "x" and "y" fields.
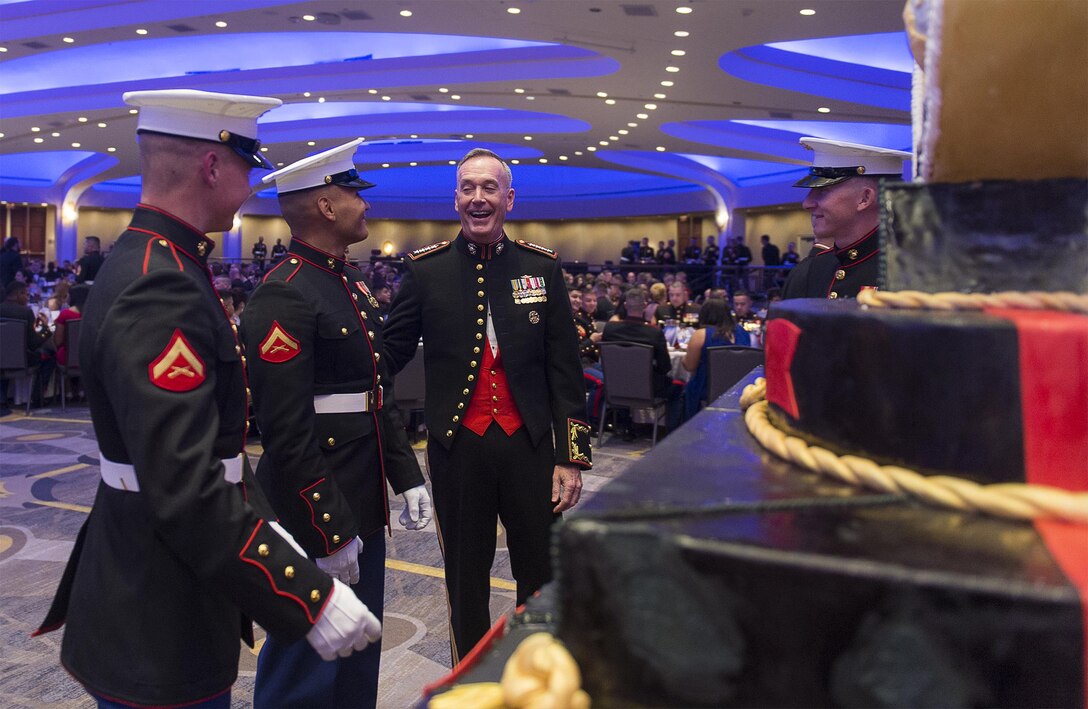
{"x": 369, "y": 296}
{"x": 529, "y": 289}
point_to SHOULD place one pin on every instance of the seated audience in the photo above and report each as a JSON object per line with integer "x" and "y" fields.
{"x": 77, "y": 297}
{"x": 717, "y": 329}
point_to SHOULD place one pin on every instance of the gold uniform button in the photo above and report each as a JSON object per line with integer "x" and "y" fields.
{"x": 162, "y": 242}
{"x": 494, "y": 397}
{"x": 343, "y": 331}
{"x": 832, "y": 295}
{"x": 480, "y": 307}
{"x": 243, "y": 359}
{"x": 327, "y": 517}
{"x": 317, "y": 497}
{"x": 234, "y": 328}
{"x": 449, "y": 434}
{"x": 479, "y": 267}
{"x": 472, "y": 363}
{"x": 465, "y": 392}
{"x": 492, "y": 372}
{"x": 263, "y": 550}
{"x": 480, "y": 279}
{"x": 461, "y": 404}
{"x": 370, "y": 334}
{"x": 480, "y": 293}
{"x": 363, "y": 313}
{"x": 479, "y": 336}
{"x": 378, "y": 379}
{"x": 472, "y": 377}
{"x": 294, "y": 261}
{"x": 479, "y": 321}
{"x": 355, "y": 296}
{"x": 475, "y": 350}
{"x": 237, "y": 349}
{"x": 330, "y": 262}
{"x": 336, "y": 539}
{"x": 289, "y": 572}
{"x": 332, "y": 441}
{"x": 840, "y": 274}
{"x": 315, "y": 595}
{"x": 377, "y": 356}
{"x": 494, "y": 385}
{"x": 852, "y": 254}
{"x": 494, "y": 411}
{"x": 456, "y": 418}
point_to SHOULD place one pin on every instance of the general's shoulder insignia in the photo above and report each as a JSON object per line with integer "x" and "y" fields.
{"x": 537, "y": 248}
{"x": 278, "y": 345}
{"x": 178, "y": 367}
{"x": 428, "y": 250}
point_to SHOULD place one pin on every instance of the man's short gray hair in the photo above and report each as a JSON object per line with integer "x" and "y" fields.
{"x": 485, "y": 153}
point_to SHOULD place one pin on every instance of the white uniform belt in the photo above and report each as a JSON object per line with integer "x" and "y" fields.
{"x": 359, "y": 402}
{"x": 122, "y": 476}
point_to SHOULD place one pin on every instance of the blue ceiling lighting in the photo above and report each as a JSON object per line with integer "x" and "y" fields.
{"x": 749, "y": 172}
{"x": 779, "y": 139}
{"x": 832, "y": 67}
{"x": 39, "y": 169}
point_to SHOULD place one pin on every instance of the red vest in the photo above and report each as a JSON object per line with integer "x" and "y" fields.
{"x": 492, "y": 400}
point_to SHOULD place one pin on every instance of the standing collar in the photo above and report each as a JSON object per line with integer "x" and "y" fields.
{"x": 860, "y": 250}
{"x": 316, "y": 256}
{"x": 482, "y": 252}
{"x": 182, "y": 234}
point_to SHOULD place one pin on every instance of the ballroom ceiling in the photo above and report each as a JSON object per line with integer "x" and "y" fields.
{"x": 605, "y": 107}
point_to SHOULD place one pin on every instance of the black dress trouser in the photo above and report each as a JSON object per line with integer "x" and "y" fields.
{"x": 482, "y": 479}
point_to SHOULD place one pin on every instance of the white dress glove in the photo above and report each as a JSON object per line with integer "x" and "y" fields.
{"x": 343, "y": 564}
{"x": 417, "y": 508}
{"x": 286, "y": 535}
{"x": 345, "y": 625}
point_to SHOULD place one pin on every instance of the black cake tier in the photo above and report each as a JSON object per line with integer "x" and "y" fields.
{"x": 713, "y": 574}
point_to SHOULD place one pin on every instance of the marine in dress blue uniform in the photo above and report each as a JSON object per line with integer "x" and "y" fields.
{"x": 843, "y": 185}
{"x": 178, "y": 551}
{"x": 313, "y": 335}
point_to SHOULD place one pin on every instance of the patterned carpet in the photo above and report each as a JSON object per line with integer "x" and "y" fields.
{"x": 48, "y": 476}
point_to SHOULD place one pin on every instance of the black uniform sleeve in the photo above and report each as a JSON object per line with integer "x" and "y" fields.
{"x": 566, "y": 383}
{"x": 400, "y": 334}
{"x": 401, "y": 467}
{"x": 170, "y": 434}
{"x": 302, "y": 490}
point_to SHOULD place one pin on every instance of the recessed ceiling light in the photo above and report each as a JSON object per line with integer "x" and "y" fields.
{"x": 55, "y": 135}
{"x": 101, "y": 125}
{"x": 311, "y": 143}
{"x": 610, "y": 101}
{"x": 602, "y": 94}
{"x": 321, "y": 99}
{"x": 672, "y": 69}
{"x": 75, "y": 145}
{"x": 684, "y": 10}
{"x": 678, "y": 52}
{"x": 111, "y": 150}
{"x": 577, "y": 152}
{"x": 623, "y": 131}
{"x": 543, "y": 160}
{"x": 69, "y": 40}
{"x": 413, "y": 164}
{"x": 592, "y": 148}
{"x": 632, "y": 125}
{"x": 642, "y": 116}
{"x": 602, "y": 142}
{"x": 660, "y": 148}
{"x": 528, "y": 137}
{"x": 387, "y": 98}
{"x": 519, "y": 91}
{"x": 264, "y": 148}
{"x": 306, "y": 94}
{"x": 651, "y": 107}
{"x": 1, "y": 135}
{"x": 660, "y": 97}
{"x": 372, "y": 91}
{"x": 405, "y": 13}
{"x": 82, "y": 119}
{"x": 385, "y": 164}
{"x": 309, "y": 18}
{"x": 413, "y": 135}
{"x": 530, "y": 98}
{"x": 680, "y": 33}
{"x": 613, "y": 137}
{"x": 514, "y": 10}
{"x": 35, "y": 129}
{"x": 39, "y": 140}
{"x": 141, "y": 31}
{"x": 808, "y": 12}
{"x": 455, "y": 97}
{"x": 443, "y": 90}
{"x": 3, "y": 49}
{"x": 220, "y": 24}
{"x": 824, "y": 109}
{"x": 666, "y": 83}
{"x": 133, "y": 111}
{"x": 469, "y": 135}
{"x": 562, "y": 157}
{"x": 515, "y": 161}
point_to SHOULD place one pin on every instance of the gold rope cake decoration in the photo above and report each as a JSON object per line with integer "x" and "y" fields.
{"x": 1011, "y": 500}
